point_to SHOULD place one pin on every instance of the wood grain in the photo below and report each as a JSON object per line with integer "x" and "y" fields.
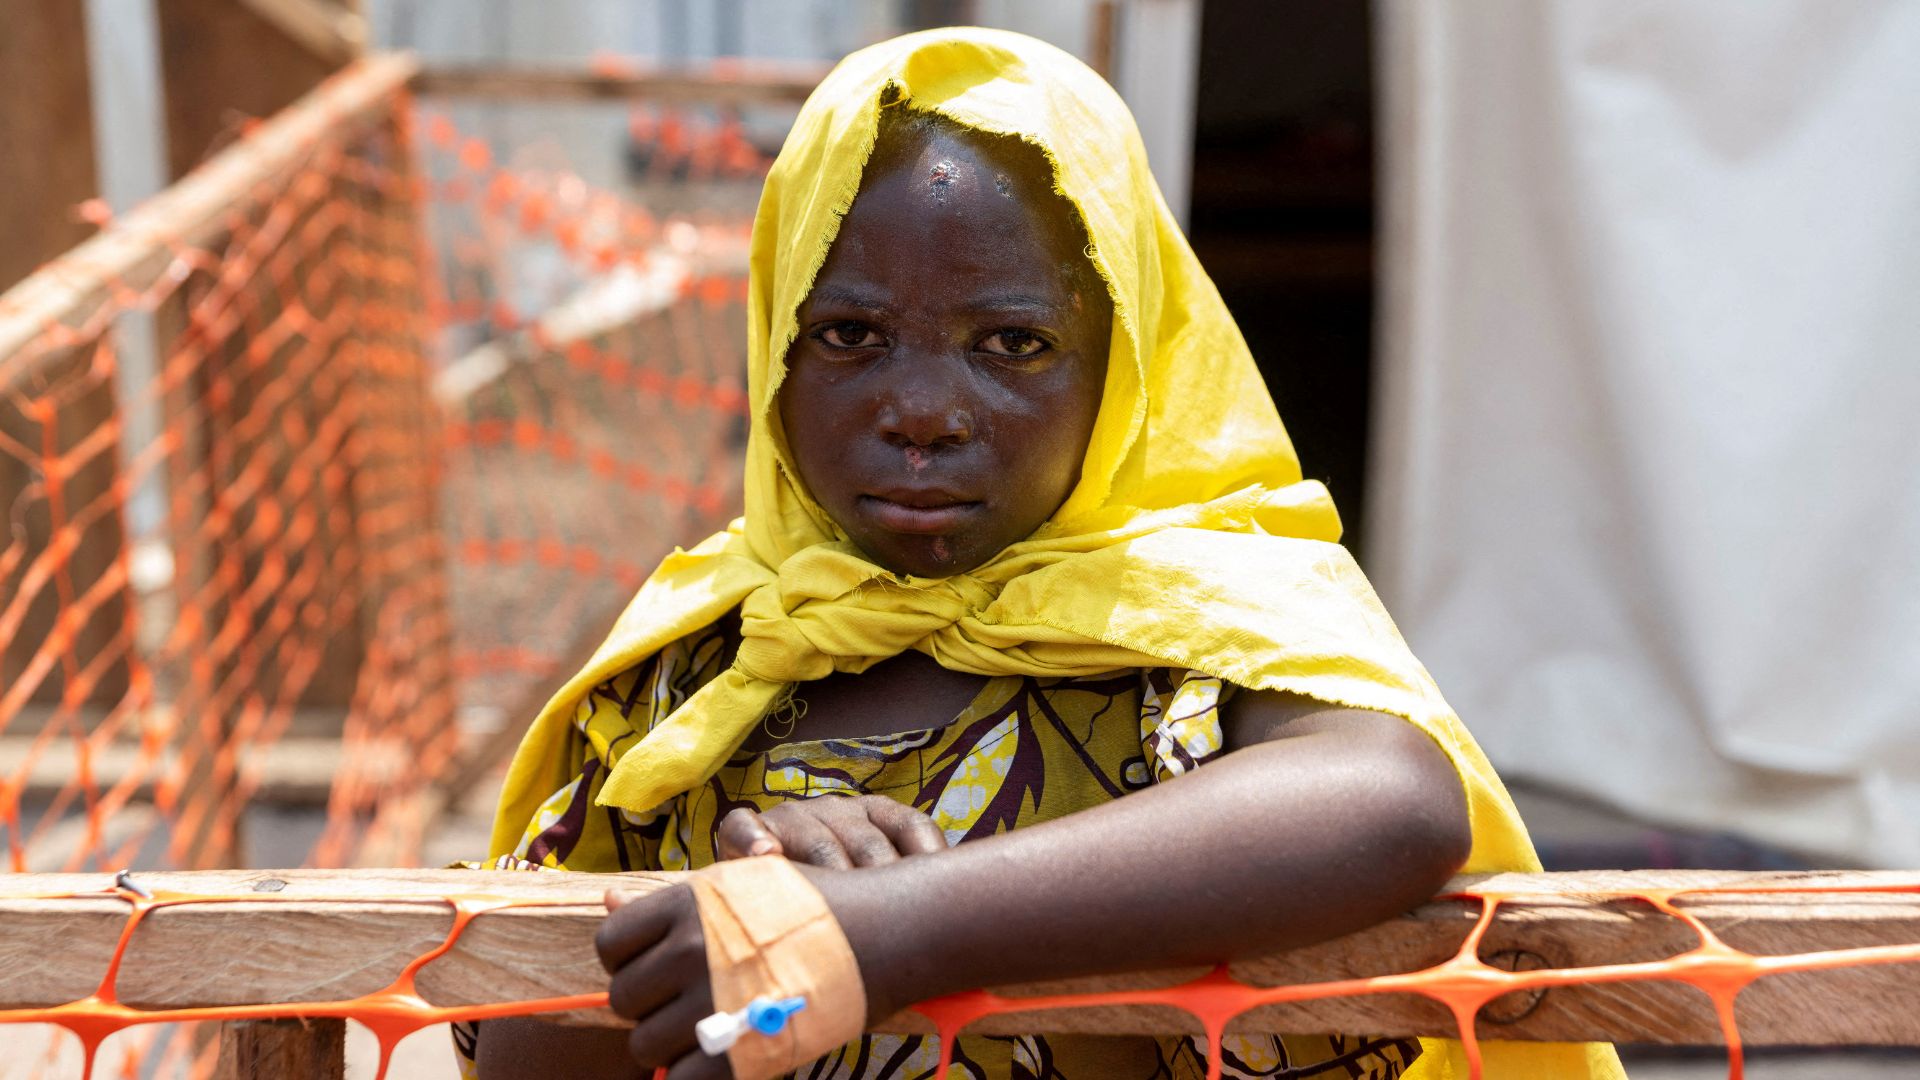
{"x": 322, "y": 935}
{"x": 282, "y": 1050}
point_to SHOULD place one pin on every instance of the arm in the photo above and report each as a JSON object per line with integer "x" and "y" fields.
{"x": 1320, "y": 822}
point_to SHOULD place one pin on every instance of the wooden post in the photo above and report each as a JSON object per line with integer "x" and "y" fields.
{"x": 47, "y": 169}
{"x": 330, "y": 936}
{"x": 221, "y": 62}
{"x": 1104, "y": 20}
{"x": 46, "y": 128}
{"x": 283, "y": 1050}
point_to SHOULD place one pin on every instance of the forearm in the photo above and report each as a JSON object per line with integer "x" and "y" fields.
{"x": 1280, "y": 844}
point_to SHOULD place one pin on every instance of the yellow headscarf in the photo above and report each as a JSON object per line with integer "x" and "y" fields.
{"x": 1191, "y": 540}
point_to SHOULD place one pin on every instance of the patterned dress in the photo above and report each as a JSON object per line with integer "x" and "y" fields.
{"x": 1027, "y": 750}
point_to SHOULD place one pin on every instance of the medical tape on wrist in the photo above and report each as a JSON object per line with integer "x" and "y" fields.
{"x": 770, "y": 934}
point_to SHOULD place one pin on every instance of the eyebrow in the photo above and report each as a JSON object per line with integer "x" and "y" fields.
{"x": 850, "y": 297}
{"x": 1012, "y": 302}
{"x": 880, "y": 301}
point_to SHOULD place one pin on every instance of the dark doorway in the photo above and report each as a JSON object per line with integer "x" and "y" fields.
{"x": 1283, "y": 217}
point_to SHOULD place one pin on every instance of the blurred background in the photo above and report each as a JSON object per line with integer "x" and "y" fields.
{"x": 1596, "y": 317}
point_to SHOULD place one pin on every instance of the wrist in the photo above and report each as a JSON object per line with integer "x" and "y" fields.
{"x": 897, "y": 936}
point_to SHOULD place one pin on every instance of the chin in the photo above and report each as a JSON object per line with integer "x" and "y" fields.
{"x": 924, "y": 556}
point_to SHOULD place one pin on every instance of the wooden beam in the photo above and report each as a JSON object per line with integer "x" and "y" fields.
{"x": 138, "y": 247}
{"x": 742, "y": 85}
{"x": 293, "y": 770}
{"x": 327, "y": 935}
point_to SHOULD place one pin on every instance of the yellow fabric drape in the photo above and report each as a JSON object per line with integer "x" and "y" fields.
{"x": 1191, "y": 540}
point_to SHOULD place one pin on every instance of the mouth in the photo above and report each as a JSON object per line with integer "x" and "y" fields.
{"x": 924, "y": 513}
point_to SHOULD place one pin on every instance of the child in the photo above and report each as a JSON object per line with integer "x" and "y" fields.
{"x": 1023, "y": 536}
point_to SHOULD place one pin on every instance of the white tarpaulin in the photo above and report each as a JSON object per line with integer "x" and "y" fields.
{"x": 1646, "y": 492}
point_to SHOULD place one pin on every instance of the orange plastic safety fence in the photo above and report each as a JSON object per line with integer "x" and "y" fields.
{"x": 353, "y": 470}
{"x": 1463, "y": 984}
{"x": 595, "y": 395}
{"x": 213, "y": 552}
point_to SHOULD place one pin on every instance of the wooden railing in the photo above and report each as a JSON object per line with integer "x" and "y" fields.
{"x": 314, "y": 942}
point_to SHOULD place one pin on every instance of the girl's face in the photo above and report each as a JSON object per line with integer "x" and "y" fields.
{"x": 951, "y": 356}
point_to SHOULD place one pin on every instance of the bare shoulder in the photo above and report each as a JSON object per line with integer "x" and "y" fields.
{"x": 1252, "y": 717}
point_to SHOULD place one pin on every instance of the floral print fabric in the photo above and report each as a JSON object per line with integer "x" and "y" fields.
{"x": 1027, "y": 750}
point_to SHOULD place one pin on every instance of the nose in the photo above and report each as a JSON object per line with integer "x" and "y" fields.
{"x": 925, "y": 408}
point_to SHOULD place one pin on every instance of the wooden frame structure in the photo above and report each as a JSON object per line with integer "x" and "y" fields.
{"x": 328, "y": 936}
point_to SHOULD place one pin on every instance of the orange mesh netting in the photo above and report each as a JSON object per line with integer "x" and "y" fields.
{"x": 299, "y": 488}
{"x": 223, "y": 549}
{"x": 346, "y": 501}
{"x": 1463, "y": 984}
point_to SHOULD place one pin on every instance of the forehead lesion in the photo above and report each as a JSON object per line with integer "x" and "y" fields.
{"x": 941, "y": 176}
{"x": 928, "y": 170}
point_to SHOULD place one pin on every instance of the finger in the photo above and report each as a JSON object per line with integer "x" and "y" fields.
{"x": 666, "y": 1035}
{"x": 863, "y": 841}
{"x": 806, "y": 839}
{"x": 653, "y": 980}
{"x": 744, "y": 834}
{"x": 912, "y": 832}
{"x": 634, "y": 924}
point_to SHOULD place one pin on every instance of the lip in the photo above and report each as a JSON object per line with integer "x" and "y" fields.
{"x": 923, "y": 513}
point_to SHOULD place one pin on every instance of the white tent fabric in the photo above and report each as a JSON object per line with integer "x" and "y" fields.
{"x": 1646, "y": 487}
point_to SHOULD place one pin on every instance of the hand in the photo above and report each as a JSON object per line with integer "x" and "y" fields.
{"x": 652, "y": 945}
{"x": 832, "y": 832}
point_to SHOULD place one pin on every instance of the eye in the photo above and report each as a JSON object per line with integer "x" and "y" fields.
{"x": 849, "y": 335}
{"x": 1019, "y": 344}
